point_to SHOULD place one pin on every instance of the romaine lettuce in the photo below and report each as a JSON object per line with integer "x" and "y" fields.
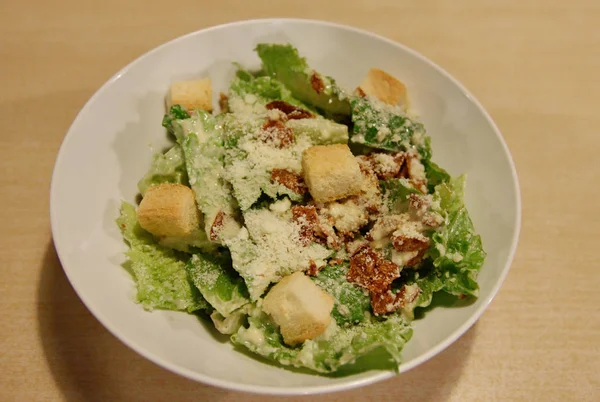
{"x": 352, "y": 303}
{"x": 159, "y": 272}
{"x": 334, "y": 348}
{"x": 166, "y": 168}
{"x": 220, "y": 285}
{"x": 285, "y": 64}
{"x": 386, "y": 127}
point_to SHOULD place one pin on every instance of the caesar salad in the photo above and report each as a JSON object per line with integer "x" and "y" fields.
{"x": 304, "y": 221}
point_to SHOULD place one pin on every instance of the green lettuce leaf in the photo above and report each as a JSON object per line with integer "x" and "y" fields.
{"x": 220, "y": 285}
{"x": 176, "y": 112}
{"x": 202, "y": 142}
{"x": 352, "y": 303}
{"x": 382, "y": 126}
{"x": 285, "y": 64}
{"x": 321, "y": 131}
{"x": 159, "y": 272}
{"x": 435, "y": 175}
{"x": 265, "y": 88}
{"x": 334, "y": 348}
{"x": 457, "y": 251}
{"x": 166, "y": 168}
{"x": 396, "y": 192}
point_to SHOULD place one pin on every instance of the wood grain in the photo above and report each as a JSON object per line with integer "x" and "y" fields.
{"x": 535, "y": 65}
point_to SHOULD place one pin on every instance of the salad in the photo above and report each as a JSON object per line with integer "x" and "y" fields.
{"x": 305, "y": 221}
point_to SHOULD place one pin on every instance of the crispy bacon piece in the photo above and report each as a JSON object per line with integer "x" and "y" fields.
{"x": 276, "y": 133}
{"x": 317, "y": 83}
{"x": 387, "y": 302}
{"x": 223, "y": 102}
{"x": 291, "y": 111}
{"x": 290, "y": 180}
{"x": 335, "y": 261}
{"x": 371, "y": 271}
{"x": 402, "y": 242}
{"x": 312, "y": 270}
{"x": 306, "y": 217}
{"x": 217, "y": 226}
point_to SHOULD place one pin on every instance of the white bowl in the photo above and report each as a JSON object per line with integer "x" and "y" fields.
{"x": 109, "y": 147}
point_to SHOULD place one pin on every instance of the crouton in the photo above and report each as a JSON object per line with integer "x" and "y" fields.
{"x": 300, "y": 308}
{"x": 191, "y": 95}
{"x": 331, "y": 172}
{"x": 169, "y": 210}
{"x": 384, "y": 87}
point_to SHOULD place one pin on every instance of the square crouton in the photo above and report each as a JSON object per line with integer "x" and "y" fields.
{"x": 191, "y": 95}
{"x": 331, "y": 172}
{"x": 300, "y": 308}
{"x": 169, "y": 210}
{"x": 384, "y": 87}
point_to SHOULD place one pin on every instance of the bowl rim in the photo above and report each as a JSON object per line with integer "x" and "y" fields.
{"x": 296, "y": 390}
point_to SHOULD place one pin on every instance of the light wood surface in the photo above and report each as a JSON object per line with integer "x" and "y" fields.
{"x": 535, "y": 65}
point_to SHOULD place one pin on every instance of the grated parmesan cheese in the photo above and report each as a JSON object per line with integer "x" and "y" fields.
{"x": 268, "y": 248}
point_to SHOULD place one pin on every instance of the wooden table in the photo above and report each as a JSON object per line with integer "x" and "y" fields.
{"x": 535, "y": 65}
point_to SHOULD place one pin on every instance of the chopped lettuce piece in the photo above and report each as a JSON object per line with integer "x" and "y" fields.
{"x": 386, "y": 127}
{"x": 176, "y": 112}
{"x": 268, "y": 248}
{"x": 250, "y": 161}
{"x": 231, "y": 324}
{"x": 265, "y": 88}
{"x": 352, "y": 303}
{"x": 159, "y": 272}
{"x": 435, "y": 175}
{"x": 202, "y": 144}
{"x": 332, "y": 349}
{"x": 285, "y": 64}
{"x": 456, "y": 251}
{"x": 456, "y": 254}
{"x": 396, "y": 192}
{"x": 321, "y": 131}
{"x": 197, "y": 239}
{"x": 166, "y": 168}
{"x": 220, "y": 285}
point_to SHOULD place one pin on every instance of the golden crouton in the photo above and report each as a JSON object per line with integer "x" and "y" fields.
{"x": 192, "y": 94}
{"x": 300, "y": 308}
{"x": 331, "y": 172}
{"x": 169, "y": 210}
{"x": 384, "y": 87}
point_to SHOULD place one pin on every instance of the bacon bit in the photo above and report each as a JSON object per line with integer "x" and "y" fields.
{"x": 335, "y": 261}
{"x": 276, "y": 133}
{"x": 123, "y": 225}
{"x": 405, "y": 243}
{"x": 306, "y": 217}
{"x": 371, "y": 271}
{"x": 217, "y": 226}
{"x": 317, "y": 83}
{"x": 384, "y": 302}
{"x": 223, "y": 103}
{"x": 290, "y": 180}
{"x": 360, "y": 92}
{"x": 291, "y": 111}
{"x": 312, "y": 270}
{"x": 387, "y": 302}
